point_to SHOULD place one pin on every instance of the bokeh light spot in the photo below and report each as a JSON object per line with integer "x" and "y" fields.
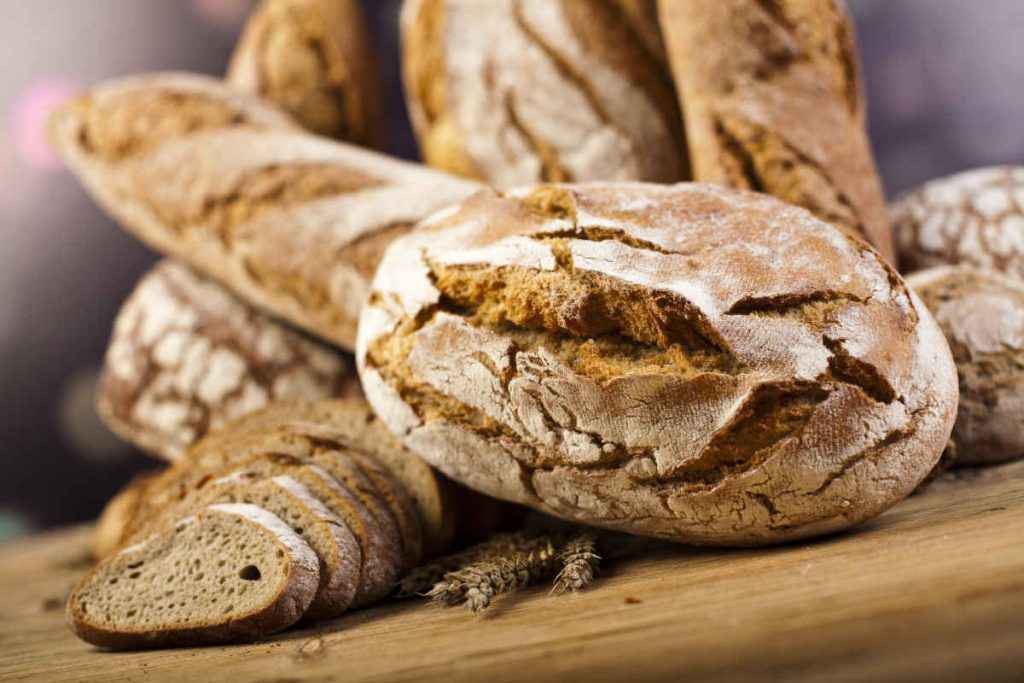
{"x": 29, "y": 115}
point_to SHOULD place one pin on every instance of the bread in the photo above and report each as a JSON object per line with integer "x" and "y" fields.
{"x": 117, "y": 515}
{"x": 291, "y": 222}
{"x": 772, "y": 100}
{"x": 691, "y": 362}
{"x": 520, "y": 91}
{"x": 335, "y": 436}
{"x": 974, "y": 218}
{"x": 336, "y": 547}
{"x": 187, "y": 356}
{"x": 313, "y": 59}
{"x": 347, "y": 473}
{"x": 380, "y": 547}
{"x": 982, "y": 315}
{"x": 398, "y": 501}
{"x": 350, "y": 426}
{"x": 232, "y": 572}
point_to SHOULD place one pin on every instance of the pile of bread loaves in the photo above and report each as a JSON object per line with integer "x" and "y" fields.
{"x": 649, "y": 286}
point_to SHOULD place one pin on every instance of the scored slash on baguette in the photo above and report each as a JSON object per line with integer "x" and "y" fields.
{"x": 231, "y": 572}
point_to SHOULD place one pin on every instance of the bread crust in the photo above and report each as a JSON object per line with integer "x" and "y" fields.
{"x": 186, "y": 356}
{"x": 772, "y": 100}
{"x": 313, "y": 59}
{"x": 292, "y": 222}
{"x": 520, "y": 91}
{"x": 982, "y": 315}
{"x": 974, "y": 218}
{"x": 691, "y": 362}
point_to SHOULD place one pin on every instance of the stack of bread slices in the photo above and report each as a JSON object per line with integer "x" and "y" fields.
{"x": 299, "y": 510}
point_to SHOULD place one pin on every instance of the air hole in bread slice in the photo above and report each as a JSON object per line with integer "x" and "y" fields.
{"x": 250, "y": 572}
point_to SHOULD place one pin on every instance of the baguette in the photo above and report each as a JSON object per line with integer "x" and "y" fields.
{"x": 186, "y": 356}
{"x": 293, "y": 223}
{"x": 772, "y": 101}
{"x": 313, "y": 59}
{"x": 519, "y": 91}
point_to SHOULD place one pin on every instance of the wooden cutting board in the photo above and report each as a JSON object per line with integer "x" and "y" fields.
{"x": 933, "y": 590}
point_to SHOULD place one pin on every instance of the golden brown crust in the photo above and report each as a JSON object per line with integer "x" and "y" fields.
{"x": 982, "y": 315}
{"x": 186, "y": 356}
{"x": 271, "y": 212}
{"x": 516, "y": 91}
{"x": 313, "y": 59}
{"x": 777, "y": 105}
{"x": 973, "y": 218}
{"x": 657, "y": 360}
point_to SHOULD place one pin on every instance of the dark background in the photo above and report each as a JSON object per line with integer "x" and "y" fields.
{"x": 944, "y": 83}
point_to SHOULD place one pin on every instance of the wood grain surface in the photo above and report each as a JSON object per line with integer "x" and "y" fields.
{"x": 933, "y": 590}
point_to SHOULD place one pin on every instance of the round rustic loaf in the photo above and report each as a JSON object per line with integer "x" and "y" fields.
{"x": 701, "y": 364}
{"x": 975, "y": 218}
{"x": 982, "y": 316}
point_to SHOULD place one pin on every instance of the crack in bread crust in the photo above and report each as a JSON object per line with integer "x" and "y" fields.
{"x": 270, "y": 188}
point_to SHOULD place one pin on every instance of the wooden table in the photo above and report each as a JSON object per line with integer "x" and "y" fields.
{"x": 932, "y": 590}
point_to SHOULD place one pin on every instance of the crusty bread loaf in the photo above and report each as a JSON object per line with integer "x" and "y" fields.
{"x": 974, "y": 218}
{"x": 982, "y": 316}
{"x": 691, "y": 362}
{"x": 117, "y": 516}
{"x": 313, "y": 59}
{"x": 187, "y": 356}
{"x": 293, "y": 223}
{"x": 519, "y": 91}
{"x": 772, "y": 101}
{"x": 232, "y": 572}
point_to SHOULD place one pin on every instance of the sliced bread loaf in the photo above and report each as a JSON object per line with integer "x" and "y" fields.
{"x": 398, "y": 500}
{"x": 347, "y": 473}
{"x": 330, "y": 538}
{"x": 232, "y": 572}
{"x": 293, "y": 427}
{"x": 380, "y": 550}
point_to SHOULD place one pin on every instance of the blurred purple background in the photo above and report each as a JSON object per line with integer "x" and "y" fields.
{"x": 941, "y": 77}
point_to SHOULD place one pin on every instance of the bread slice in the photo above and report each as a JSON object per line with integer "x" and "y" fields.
{"x": 400, "y": 503}
{"x": 380, "y": 551}
{"x": 347, "y": 473}
{"x": 232, "y": 572}
{"x": 292, "y": 426}
{"x": 330, "y": 538}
